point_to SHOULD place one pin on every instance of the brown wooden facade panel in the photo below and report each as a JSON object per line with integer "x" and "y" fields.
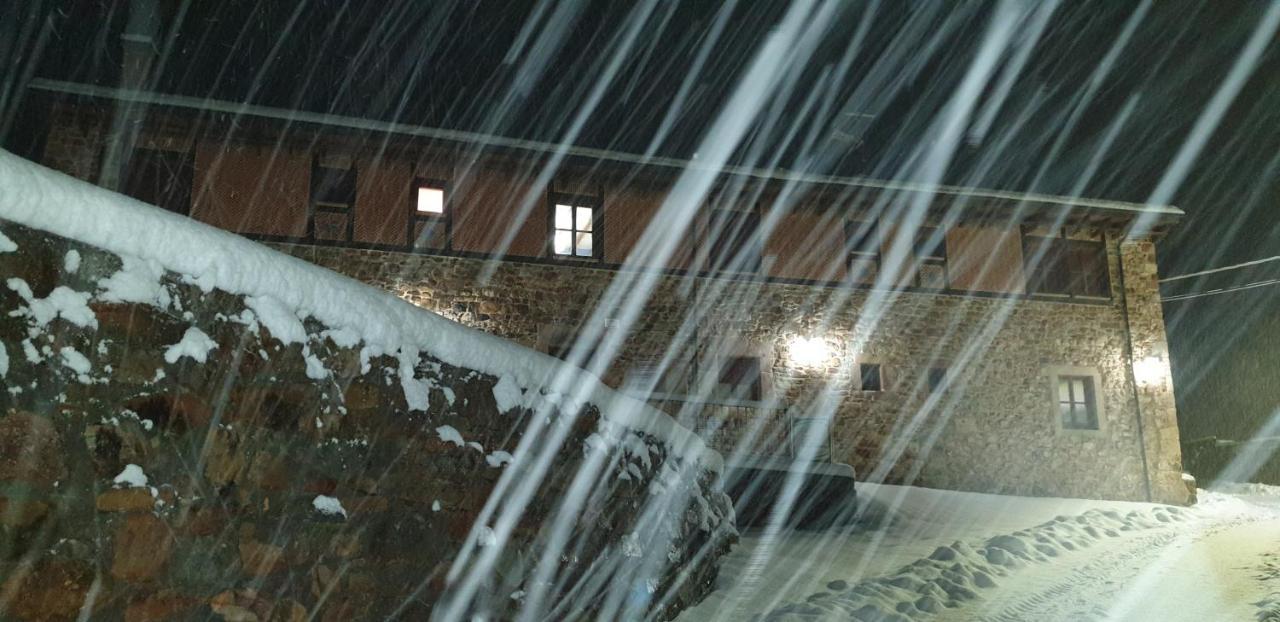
{"x": 251, "y": 189}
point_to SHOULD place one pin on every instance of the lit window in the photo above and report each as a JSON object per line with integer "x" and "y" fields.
{"x": 1077, "y": 403}
{"x": 573, "y": 230}
{"x": 430, "y": 200}
{"x": 429, "y": 219}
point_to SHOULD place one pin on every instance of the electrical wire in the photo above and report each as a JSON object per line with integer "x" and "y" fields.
{"x": 1222, "y": 269}
{"x": 1215, "y": 292}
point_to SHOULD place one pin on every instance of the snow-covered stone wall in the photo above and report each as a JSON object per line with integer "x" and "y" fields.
{"x": 170, "y": 449}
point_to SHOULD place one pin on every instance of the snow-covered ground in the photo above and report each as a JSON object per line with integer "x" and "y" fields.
{"x": 921, "y": 554}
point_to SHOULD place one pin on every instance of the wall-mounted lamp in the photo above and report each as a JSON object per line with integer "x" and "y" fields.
{"x": 808, "y": 352}
{"x": 1150, "y": 371}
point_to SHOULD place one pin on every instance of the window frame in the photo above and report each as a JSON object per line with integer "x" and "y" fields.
{"x": 575, "y": 201}
{"x": 315, "y": 206}
{"x": 1094, "y": 386}
{"x": 1063, "y": 249}
{"x": 937, "y": 377}
{"x": 918, "y": 245}
{"x": 854, "y": 243}
{"x": 757, "y": 392}
{"x": 444, "y": 218}
{"x": 879, "y": 367}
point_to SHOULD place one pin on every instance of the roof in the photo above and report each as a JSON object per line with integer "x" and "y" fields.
{"x": 1161, "y": 212}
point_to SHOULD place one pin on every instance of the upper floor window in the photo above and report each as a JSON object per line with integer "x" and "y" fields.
{"x": 930, "y": 246}
{"x": 429, "y": 199}
{"x": 1061, "y": 266}
{"x": 429, "y": 223}
{"x": 333, "y": 193}
{"x": 161, "y": 178}
{"x": 1077, "y": 402}
{"x": 864, "y": 249}
{"x": 574, "y": 227}
{"x": 734, "y": 241}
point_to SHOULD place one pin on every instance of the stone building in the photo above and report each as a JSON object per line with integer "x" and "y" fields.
{"x": 947, "y": 337}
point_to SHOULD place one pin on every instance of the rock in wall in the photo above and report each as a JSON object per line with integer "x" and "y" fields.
{"x": 164, "y": 456}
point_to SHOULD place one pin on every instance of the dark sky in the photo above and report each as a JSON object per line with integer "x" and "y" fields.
{"x": 864, "y": 100}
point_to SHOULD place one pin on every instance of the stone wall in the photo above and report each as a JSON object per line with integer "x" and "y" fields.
{"x": 227, "y": 479}
{"x": 994, "y": 429}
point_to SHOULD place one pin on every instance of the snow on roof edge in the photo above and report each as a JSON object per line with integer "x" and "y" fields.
{"x": 45, "y": 199}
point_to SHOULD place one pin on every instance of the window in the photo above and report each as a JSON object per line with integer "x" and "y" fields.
{"x": 429, "y": 221}
{"x": 931, "y": 257}
{"x": 333, "y": 193}
{"x": 937, "y": 379}
{"x": 864, "y": 249}
{"x": 869, "y": 377}
{"x": 802, "y": 428}
{"x": 1059, "y": 266}
{"x": 430, "y": 200}
{"x": 1077, "y": 402}
{"x": 644, "y": 376}
{"x": 161, "y": 178}
{"x": 734, "y": 241}
{"x": 573, "y": 227}
{"x": 739, "y": 380}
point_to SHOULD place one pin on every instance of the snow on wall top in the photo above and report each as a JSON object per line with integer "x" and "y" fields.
{"x": 41, "y": 198}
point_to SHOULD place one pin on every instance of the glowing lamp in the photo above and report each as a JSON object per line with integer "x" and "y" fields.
{"x": 1150, "y": 371}
{"x": 808, "y": 352}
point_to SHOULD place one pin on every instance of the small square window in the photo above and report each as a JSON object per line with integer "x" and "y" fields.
{"x": 740, "y": 379}
{"x": 430, "y": 201}
{"x": 869, "y": 376}
{"x": 573, "y": 228}
{"x": 1077, "y": 402}
{"x": 937, "y": 379}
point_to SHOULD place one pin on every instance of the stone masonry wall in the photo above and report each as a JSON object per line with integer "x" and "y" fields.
{"x": 994, "y": 430}
{"x": 228, "y": 479}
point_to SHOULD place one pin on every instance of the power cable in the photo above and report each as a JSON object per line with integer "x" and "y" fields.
{"x": 1222, "y": 269}
{"x": 1215, "y": 292}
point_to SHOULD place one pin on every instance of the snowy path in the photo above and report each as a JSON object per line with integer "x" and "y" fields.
{"x": 1110, "y": 561}
{"x": 1202, "y": 571}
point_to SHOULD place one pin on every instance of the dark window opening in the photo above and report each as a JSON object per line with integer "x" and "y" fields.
{"x": 863, "y": 239}
{"x": 739, "y": 379}
{"x": 869, "y": 375}
{"x": 161, "y": 178}
{"x": 333, "y": 193}
{"x": 1059, "y": 266}
{"x": 734, "y": 241}
{"x": 937, "y": 379}
{"x": 930, "y": 247}
{"x": 1077, "y": 403}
